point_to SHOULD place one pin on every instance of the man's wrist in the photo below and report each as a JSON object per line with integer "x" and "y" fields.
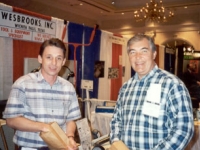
{"x": 70, "y": 136}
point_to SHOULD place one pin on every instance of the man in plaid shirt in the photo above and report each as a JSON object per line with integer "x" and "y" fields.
{"x": 153, "y": 110}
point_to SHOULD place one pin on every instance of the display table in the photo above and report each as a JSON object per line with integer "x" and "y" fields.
{"x": 2, "y": 123}
{"x": 101, "y": 122}
{"x": 194, "y": 144}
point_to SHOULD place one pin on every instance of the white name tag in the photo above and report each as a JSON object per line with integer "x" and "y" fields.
{"x": 151, "y": 105}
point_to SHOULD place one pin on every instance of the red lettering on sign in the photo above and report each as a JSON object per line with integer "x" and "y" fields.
{"x": 15, "y": 36}
{"x": 4, "y": 29}
{"x": 38, "y": 39}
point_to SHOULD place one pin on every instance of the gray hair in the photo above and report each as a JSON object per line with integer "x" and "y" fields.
{"x": 139, "y": 37}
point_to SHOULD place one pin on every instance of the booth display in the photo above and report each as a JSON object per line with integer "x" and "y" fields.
{"x": 101, "y": 122}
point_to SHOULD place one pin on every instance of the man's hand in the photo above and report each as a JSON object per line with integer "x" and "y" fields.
{"x": 72, "y": 144}
{"x": 46, "y": 127}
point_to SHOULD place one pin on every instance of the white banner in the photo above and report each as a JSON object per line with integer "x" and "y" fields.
{"x": 117, "y": 40}
{"x": 24, "y": 27}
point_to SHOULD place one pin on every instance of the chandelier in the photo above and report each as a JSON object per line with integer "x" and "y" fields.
{"x": 154, "y": 12}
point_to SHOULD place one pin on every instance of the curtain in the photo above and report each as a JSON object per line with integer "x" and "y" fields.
{"x": 116, "y": 63}
{"x": 105, "y": 55}
{"x": 6, "y": 62}
{"x": 6, "y": 65}
{"x": 91, "y": 55}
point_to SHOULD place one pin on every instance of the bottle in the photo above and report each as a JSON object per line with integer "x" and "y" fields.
{"x": 198, "y": 113}
{"x": 195, "y": 114}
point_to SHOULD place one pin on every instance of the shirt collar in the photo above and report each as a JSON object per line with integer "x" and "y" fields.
{"x": 149, "y": 75}
{"x": 42, "y": 80}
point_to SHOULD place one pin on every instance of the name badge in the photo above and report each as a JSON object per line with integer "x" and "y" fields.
{"x": 151, "y": 105}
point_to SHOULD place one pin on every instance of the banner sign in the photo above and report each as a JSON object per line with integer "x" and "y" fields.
{"x": 24, "y": 27}
{"x": 117, "y": 40}
{"x": 170, "y": 51}
{"x": 192, "y": 55}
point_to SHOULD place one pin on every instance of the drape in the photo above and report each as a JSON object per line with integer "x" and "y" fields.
{"x": 6, "y": 65}
{"x": 105, "y": 55}
{"x": 6, "y": 62}
{"x": 116, "y": 63}
{"x": 91, "y": 55}
{"x": 75, "y": 35}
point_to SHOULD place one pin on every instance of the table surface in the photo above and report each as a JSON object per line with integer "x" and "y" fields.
{"x": 2, "y": 121}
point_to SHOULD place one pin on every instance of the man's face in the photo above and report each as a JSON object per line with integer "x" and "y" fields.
{"x": 52, "y": 61}
{"x": 192, "y": 67}
{"x": 141, "y": 57}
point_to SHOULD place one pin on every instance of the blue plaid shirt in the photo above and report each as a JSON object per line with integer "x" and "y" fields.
{"x": 171, "y": 130}
{"x": 33, "y": 98}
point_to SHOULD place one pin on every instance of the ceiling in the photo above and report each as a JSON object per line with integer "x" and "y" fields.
{"x": 108, "y": 16}
{"x": 90, "y": 12}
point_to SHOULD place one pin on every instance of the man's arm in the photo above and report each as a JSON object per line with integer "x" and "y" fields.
{"x": 181, "y": 120}
{"x": 70, "y": 128}
{"x": 24, "y": 124}
{"x": 115, "y": 124}
{"x": 70, "y": 131}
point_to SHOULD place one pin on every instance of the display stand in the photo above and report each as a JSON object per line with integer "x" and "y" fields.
{"x": 88, "y": 86}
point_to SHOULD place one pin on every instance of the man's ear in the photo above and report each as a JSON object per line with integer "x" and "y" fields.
{"x": 64, "y": 62}
{"x": 39, "y": 59}
{"x": 154, "y": 55}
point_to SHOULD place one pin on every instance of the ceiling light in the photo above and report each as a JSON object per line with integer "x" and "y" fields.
{"x": 113, "y": 2}
{"x": 153, "y": 11}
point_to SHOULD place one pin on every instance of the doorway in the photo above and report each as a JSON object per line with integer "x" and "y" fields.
{"x": 175, "y": 50}
{"x": 179, "y": 54}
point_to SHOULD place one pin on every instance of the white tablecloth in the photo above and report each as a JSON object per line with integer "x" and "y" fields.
{"x": 101, "y": 122}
